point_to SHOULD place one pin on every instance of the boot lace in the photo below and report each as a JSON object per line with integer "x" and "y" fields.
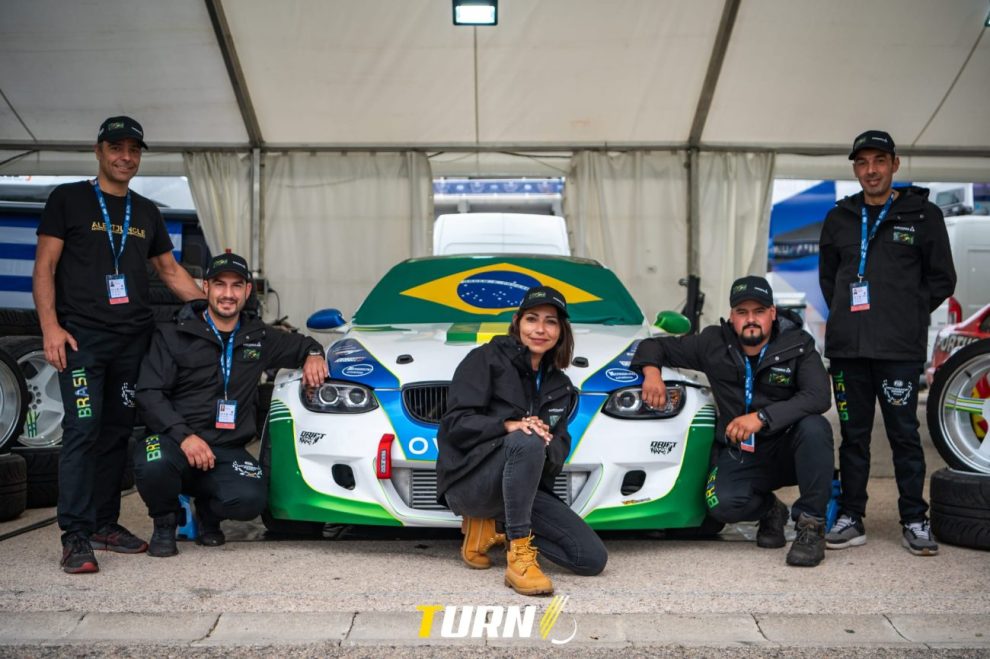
{"x": 525, "y": 554}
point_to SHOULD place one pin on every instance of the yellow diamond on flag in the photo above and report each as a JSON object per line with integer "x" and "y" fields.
{"x": 492, "y": 289}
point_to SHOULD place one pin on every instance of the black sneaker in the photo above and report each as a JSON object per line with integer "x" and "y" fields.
{"x": 848, "y": 531}
{"x": 770, "y": 535}
{"x": 210, "y": 534}
{"x": 917, "y": 539}
{"x": 808, "y": 548}
{"x": 162, "y": 542}
{"x": 114, "y": 537}
{"x": 77, "y": 555}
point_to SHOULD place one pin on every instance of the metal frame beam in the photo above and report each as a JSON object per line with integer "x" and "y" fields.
{"x": 225, "y": 41}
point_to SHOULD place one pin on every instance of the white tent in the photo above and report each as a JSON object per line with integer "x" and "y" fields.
{"x": 253, "y": 81}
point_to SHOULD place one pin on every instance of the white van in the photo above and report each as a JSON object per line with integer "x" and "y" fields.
{"x": 969, "y": 238}
{"x": 500, "y": 233}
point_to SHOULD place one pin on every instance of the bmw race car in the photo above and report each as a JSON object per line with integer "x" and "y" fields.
{"x": 361, "y": 448}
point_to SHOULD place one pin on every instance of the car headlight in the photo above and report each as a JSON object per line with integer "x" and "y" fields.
{"x": 338, "y": 398}
{"x": 627, "y": 403}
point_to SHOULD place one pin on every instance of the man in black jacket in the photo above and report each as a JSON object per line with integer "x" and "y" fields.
{"x": 198, "y": 392}
{"x": 884, "y": 266}
{"x": 770, "y": 389}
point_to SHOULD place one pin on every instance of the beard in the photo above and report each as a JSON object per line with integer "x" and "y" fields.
{"x": 215, "y": 309}
{"x": 752, "y": 339}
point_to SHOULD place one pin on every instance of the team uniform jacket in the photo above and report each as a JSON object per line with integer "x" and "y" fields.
{"x": 909, "y": 270}
{"x": 788, "y": 384}
{"x": 180, "y": 381}
{"x": 493, "y": 384}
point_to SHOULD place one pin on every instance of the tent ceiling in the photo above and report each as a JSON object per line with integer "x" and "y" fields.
{"x": 798, "y": 75}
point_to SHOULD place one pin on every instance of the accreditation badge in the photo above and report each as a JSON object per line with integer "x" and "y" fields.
{"x": 748, "y": 444}
{"x": 226, "y": 414}
{"x": 859, "y": 296}
{"x": 117, "y": 289}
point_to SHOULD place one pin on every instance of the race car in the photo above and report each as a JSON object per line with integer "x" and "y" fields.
{"x": 362, "y": 449}
{"x": 958, "y": 407}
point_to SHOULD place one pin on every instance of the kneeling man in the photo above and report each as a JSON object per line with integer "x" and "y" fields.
{"x": 771, "y": 389}
{"x": 198, "y": 393}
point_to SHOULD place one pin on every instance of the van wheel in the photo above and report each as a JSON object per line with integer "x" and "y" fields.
{"x": 43, "y": 422}
{"x": 959, "y": 406}
{"x": 961, "y": 508}
{"x": 13, "y": 486}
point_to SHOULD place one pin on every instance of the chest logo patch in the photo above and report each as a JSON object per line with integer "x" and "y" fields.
{"x": 251, "y": 354}
{"x": 903, "y": 237}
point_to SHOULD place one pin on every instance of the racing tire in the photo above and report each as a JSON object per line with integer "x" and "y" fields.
{"x": 42, "y": 474}
{"x": 291, "y": 528}
{"x": 13, "y": 486}
{"x": 13, "y": 400}
{"x": 19, "y": 322}
{"x": 960, "y": 512}
{"x": 709, "y": 528}
{"x": 958, "y": 408}
{"x": 43, "y": 421}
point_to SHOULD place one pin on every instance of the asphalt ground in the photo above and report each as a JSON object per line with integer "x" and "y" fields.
{"x": 355, "y": 593}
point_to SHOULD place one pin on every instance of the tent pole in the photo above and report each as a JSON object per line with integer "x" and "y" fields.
{"x": 256, "y": 211}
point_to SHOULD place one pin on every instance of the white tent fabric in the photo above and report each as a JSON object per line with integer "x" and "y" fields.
{"x": 221, "y": 189}
{"x": 797, "y": 74}
{"x": 734, "y": 221}
{"x": 336, "y": 222}
{"x": 629, "y": 211}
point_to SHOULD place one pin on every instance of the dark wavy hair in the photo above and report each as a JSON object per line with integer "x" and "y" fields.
{"x": 563, "y": 351}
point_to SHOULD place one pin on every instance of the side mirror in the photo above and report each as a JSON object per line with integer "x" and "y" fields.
{"x": 325, "y": 320}
{"x": 672, "y": 322}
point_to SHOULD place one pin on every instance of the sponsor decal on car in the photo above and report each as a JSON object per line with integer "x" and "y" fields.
{"x": 662, "y": 448}
{"x": 309, "y": 437}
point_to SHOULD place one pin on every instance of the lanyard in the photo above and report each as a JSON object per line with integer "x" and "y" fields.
{"x": 539, "y": 379}
{"x": 226, "y": 354}
{"x": 864, "y": 240}
{"x": 106, "y": 223}
{"x": 749, "y": 376}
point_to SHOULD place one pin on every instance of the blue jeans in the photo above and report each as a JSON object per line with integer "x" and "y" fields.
{"x": 505, "y": 487}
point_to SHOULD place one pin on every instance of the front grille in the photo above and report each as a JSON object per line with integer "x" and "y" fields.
{"x": 420, "y": 491}
{"x": 426, "y": 402}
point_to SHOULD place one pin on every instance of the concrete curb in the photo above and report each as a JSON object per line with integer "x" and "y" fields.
{"x": 40, "y": 633}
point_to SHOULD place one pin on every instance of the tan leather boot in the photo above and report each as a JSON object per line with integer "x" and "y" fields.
{"x": 523, "y": 573}
{"x": 479, "y": 537}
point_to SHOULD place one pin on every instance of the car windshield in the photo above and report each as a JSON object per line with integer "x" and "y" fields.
{"x": 458, "y": 289}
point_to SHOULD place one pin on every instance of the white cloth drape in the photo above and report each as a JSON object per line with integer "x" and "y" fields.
{"x": 336, "y": 222}
{"x": 221, "y": 189}
{"x": 629, "y": 211}
{"x": 734, "y": 223}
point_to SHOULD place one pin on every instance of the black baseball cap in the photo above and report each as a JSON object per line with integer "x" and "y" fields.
{"x": 119, "y": 128}
{"x": 228, "y": 263}
{"x": 751, "y": 288}
{"x": 544, "y": 295}
{"x": 872, "y": 139}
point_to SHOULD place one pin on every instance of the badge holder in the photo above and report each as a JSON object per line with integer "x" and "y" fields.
{"x": 117, "y": 289}
{"x": 748, "y": 445}
{"x": 859, "y": 296}
{"x": 226, "y": 414}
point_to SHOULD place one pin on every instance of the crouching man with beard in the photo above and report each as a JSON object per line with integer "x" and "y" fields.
{"x": 771, "y": 390}
{"x": 198, "y": 391}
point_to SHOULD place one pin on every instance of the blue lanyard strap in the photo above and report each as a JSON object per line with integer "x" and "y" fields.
{"x": 864, "y": 241}
{"x": 539, "y": 379}
{"x": 749, "y": 376}
{"x": 226, "y": 353}
{"x": 106, "y": 223}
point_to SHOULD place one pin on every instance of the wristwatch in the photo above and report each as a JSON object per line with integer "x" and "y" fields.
{"x": 762, "y": 416}
{"x": 315, "y": 353}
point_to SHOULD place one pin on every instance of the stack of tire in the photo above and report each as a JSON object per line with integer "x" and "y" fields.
{"x": 958, "y": 414}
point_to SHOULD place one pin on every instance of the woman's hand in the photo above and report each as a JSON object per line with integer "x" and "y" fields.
{"x": 530, "y": 425}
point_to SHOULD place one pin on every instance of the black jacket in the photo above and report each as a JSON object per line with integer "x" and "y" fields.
{"x": 790, "y": 382}
{"x": 180, "y": 381}
{"x": 909, "y": 270}
{"x": 495, "y": 383}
